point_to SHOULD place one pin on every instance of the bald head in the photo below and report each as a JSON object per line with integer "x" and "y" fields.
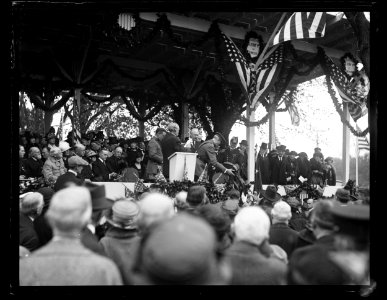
{"x": 70, "y": 209}
{"x": 155, "y": 207}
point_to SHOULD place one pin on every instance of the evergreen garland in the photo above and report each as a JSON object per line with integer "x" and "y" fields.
{"x": 340, "y": 111}
{"x": 312, "y": 191}
{"x": 215, "y": 192}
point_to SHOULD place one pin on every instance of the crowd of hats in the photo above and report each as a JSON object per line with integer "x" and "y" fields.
{"x": 29, "y": 139}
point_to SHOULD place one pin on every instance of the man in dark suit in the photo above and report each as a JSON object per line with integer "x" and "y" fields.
{"x": 280, "y": 232}
{"x": 169, "y": 145}
{"x": 113, "y": 161}
{"x": 311, "y": 263}
{"x": 33, "y": 165}
{"x": 100, "y": 170}
{"x": 155, "y": 154}
{"x": 31, "y": 207}
{"x": 291, "y": 168}
{"x": 278, "y": 167}
{"x": 262, "y": 168}
{"x": 76, "y": 165}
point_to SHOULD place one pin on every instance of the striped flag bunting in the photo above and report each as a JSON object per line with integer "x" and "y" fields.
{"x": 256, "y": 84}
{"x": 301, "y": 25}
{"x": 362, "y": 143}
{"x": 239, "y": 61}
{"x": 356, "y": 100}
{"x": 266, "y": 75}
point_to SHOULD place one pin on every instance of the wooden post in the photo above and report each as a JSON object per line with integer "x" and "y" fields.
{"x": 141, "y": 128}
{"x": 346, "y": 140}
{"x": 185, "y": 121}
{"x": 272, "y": 125}
{"x": 250, "y": 137}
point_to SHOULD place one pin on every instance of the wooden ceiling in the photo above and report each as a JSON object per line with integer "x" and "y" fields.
{"x": 46, "y": 37}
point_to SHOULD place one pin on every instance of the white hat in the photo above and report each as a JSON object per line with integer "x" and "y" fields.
{"x": 64, "y": 146}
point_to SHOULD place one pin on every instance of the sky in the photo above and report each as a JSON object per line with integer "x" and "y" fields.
{"x": 321, "y": 117}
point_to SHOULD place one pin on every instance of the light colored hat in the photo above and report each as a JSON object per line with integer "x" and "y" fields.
{"x": 124, "y": 214}
{"x": 64, "y": 146}
{"x": 75, "y": 160}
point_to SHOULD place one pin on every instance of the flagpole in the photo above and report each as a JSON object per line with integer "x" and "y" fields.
{"x": 260, "y": 58}
{"x": 357, "y": 161}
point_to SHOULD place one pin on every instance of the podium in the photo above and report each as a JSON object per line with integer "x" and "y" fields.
{"x": 180, "y": 160}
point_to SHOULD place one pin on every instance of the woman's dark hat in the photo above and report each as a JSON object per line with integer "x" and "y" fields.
{"x": 271, "y": 194}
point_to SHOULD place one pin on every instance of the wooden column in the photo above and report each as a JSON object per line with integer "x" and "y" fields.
{"x": 272, "y": 126}
{"x": 185, "y": 121}
{"x": 346, "y": 140}
{"x": 250, "y": 137}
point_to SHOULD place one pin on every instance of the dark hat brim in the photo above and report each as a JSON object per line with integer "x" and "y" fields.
{"x": 276, "y": 198}
{"x": 221, "y": 137}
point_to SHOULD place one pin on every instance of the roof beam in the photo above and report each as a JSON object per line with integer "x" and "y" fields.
{"x": 232, "y": 31}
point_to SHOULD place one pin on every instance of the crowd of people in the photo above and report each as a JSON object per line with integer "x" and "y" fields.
{"x": 72, "y": 234}
{"x": 110, "y": 159}
{"x": 77, "y": 236}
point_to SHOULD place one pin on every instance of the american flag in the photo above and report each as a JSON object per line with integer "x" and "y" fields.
{"x": 301, "y": 25}
{"x": 362, "y": 142}
{"x": 257, "y": 84}
{"x": 128, "y": 192}
{"x": 239, "y": 61}
{"x": 356, "y": 101}
{"x": 266, "y": 75}
{"x": 140, "y": 187}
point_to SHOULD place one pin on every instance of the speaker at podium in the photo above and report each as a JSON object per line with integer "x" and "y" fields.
{"x": 180, "y": 161}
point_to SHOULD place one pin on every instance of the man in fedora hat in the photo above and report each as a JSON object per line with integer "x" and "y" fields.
{"x": 278, "y": 167}
{"x": 64, "y": 260}
{"x": 262, "y": 168}
{"x": 76, "y": 165}
{"x": 268, "y": 198}
{"x": 291, "y": 168}
{"x": 342, "y": 196}
{"x": 96, "y": 228}
{"x": 207, "y": 155}
{"x": 121, "y": 235}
